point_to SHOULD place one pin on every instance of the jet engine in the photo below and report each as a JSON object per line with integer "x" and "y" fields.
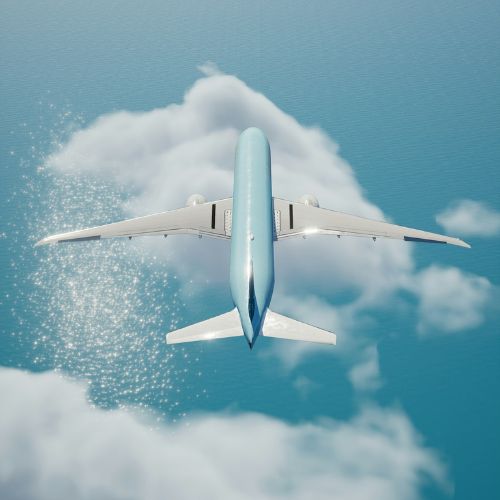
{"x": 309, "y": 200}
{"x": 195, "y": 199}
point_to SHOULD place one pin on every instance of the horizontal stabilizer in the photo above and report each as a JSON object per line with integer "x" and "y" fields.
{"x": 219, "y": 327}
{"x": 281, "y": 327}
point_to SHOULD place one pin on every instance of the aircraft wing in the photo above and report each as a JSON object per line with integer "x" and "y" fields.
{"x": 298, "y": 219}
{"x": 208, "y": 219}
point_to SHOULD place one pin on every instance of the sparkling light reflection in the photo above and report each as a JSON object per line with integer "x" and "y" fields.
{"x": 101, "y": 309}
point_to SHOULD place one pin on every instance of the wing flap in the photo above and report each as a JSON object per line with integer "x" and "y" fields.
{"x": 220, "y": 327}
{"x": 206, "y": 219}
{"x": 281, "y": 327}
{"x": 298, "y": 219}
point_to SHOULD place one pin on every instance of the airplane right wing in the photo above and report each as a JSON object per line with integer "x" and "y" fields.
{"x": 210, "y": 219}
{"x": 298, "y": 219}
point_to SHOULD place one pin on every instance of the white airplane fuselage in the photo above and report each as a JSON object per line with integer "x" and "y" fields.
{"x": 252, "y": 252}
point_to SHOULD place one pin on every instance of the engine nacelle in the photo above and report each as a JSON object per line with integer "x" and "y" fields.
{"x": 309, "y": 200}
{"x": 195, "y": 199}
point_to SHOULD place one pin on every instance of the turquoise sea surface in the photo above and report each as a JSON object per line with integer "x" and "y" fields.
{"x": 408, "y": 90}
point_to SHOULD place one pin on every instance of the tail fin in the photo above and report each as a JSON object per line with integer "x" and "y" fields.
{"x": 281, "y": 327}
{"x": 218, "y": 327}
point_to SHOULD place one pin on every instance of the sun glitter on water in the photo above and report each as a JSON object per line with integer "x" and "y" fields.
{"x": 102, "y": 308}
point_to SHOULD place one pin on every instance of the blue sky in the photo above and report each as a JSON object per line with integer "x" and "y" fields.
{"x": 119, "y": 110}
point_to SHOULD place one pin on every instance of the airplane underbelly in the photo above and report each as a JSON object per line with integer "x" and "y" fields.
{"x": 252, "y": 259}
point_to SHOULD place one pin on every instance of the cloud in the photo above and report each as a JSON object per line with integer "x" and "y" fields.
{"x": 54, "y": 445}
{"x": 164, "y": 155}
{"x": 160, "y": 157}
{"x": 470, "y": 218}
{"x": 304, "y": 386}
{"x": 365, "y": 374}
{"x": 315, "y": 311}
{"x": 210, "y": 69}
{"x": 450, "y": 300}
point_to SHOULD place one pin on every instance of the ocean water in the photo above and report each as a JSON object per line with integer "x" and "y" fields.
{"x": 410, "y": 92}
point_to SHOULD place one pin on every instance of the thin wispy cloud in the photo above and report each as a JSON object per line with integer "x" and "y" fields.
{"x": 365, "y": 374}
{"x": 304, "y": 386}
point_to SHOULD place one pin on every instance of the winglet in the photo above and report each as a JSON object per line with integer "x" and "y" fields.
{"x": 48, "y": 240}
{"x": 462, "y": 243}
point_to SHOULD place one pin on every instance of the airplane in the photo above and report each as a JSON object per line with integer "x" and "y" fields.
{"x": 253, "y": 220}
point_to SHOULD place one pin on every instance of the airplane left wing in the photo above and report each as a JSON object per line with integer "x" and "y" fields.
{"x": 209, "y": 219}
{"x": 298, "y": 219}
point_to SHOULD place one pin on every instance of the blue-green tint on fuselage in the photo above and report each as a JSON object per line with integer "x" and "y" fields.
{"x": 252, "y": 257}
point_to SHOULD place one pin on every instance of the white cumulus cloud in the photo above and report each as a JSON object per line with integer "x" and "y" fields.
{"x": 54, "y": 445}
{"x": 164, "y": 155}
{"x": 470, "y": 218}
{"x": 450, "y": 300}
